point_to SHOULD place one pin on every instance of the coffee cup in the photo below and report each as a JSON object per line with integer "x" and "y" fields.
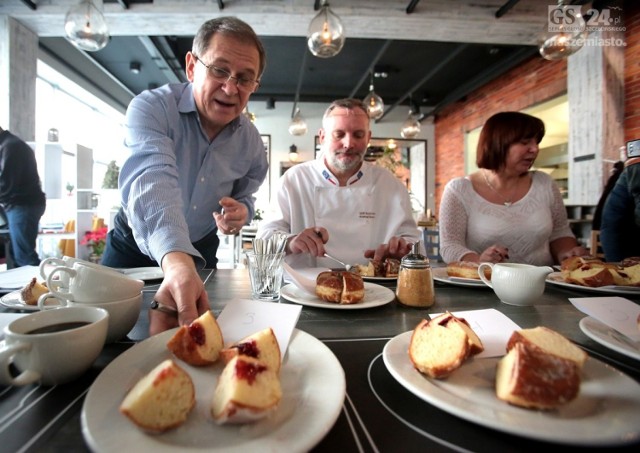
{"x": 48, "y": 264}
{"x": 92, "y": 284}
{"x": 123, "y": 315}
{"x": 53, "y": 346}
{"x": 516, "y": 284}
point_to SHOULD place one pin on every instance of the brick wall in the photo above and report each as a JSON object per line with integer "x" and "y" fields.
{"x": 532, "y": 82}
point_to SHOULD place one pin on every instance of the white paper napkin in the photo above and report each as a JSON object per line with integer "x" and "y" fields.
{"x": 616, "y": 312}
{"x": 18, "y": 277}
{"x": 493, "y": 327}
{"x": 242, "y": 318}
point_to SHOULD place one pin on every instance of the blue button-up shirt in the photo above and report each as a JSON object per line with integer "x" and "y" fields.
{"x": 175, "y": 177}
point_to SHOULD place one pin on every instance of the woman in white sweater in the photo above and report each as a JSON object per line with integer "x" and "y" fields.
{"x": 505, "y": 211}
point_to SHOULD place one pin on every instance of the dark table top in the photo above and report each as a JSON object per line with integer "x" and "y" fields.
{"x": 378, "y": 414}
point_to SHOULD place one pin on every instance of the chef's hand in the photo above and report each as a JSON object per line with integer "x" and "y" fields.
{"x": 310, "y": 240}
{"x": 396, "y": 248}
{"x": 181, "y": 288}
{"x": 233, "y": 217}
{"x": 494, "y": 254}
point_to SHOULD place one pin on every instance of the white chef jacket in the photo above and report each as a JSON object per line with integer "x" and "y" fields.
{"x": 367, "y": 212}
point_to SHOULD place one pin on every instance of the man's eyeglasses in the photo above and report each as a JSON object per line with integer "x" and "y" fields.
{"x": 224, "y": 76}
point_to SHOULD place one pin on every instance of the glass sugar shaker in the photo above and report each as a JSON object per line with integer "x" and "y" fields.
{"x": 415, "y": 281}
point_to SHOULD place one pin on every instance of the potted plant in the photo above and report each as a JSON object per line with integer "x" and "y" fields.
{"x": 111, "y": 176}
{"x": 96, "y": 240}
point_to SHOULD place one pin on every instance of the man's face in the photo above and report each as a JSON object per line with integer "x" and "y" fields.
{"x": 344, "y": 137}
{"x": 218, "y": 101}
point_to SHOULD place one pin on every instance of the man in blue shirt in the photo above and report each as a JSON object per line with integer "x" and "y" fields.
{"x": 195, "y": 164}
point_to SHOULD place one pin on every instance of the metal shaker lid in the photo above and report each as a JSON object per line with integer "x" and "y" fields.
{"x": 414, "y": 259}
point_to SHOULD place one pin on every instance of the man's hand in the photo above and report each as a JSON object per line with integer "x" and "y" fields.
{"x": 396, "y": 248}
{"x": 310, "y": 240}
{"x": 182, "y": 288}
{"x": 233, "y": 217}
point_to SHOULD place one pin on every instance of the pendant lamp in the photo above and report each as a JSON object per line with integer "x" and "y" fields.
{"x": 374, "y": 103}
{"x": 298, "y": 125}
{"x": 325, "y": 37}
{"x": 293, "y": 153}
{"x": 410, "y": 127}
{"x": 562, "y": 39}
{"x": 86, "y": 27}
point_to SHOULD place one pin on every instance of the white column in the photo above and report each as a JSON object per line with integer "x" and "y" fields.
{"x": 596, "y": 100}
{"x": 18, "y": 66}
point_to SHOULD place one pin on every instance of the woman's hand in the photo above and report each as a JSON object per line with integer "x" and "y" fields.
{"x": 494, "y": 254}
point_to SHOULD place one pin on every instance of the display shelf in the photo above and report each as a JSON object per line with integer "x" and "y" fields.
{"x": 65, "y": 165}
{"x": 580, "y": 219}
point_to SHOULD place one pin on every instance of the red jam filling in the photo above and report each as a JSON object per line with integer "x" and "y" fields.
{"x": 249, "y": 348}
{"x": 248, "y": 371}
{"x": 196, "y": 331}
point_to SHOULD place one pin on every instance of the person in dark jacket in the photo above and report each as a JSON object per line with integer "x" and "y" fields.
{"x": 21, "y": 196}
{"x": 620, "y": 228}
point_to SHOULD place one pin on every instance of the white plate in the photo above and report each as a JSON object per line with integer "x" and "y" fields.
{"x": 313, "y": 387}
{"x": 440, "y": 275}
{"x": 379, "y": 279}
{"x": 606, "y": 412}
{"x": 14, "y": 300}
{"x": 374, "y": 296}
{"x": 607, "y": 336}
{"x": 144, "y": 273}
{"x": 555, "y": 278}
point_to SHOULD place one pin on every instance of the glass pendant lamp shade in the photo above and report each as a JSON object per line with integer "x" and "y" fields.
{"x": 374, "y": 103}
{"x": 298, "y": 125}
{"x": 325, "y": 37}
{"x": 410, "y": 127}
{"x": 563, "y": 37}
{"x": 86, "y": 27}
{"x": 555, "y": 46}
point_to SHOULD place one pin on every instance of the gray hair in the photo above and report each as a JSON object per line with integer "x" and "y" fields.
{"x": 347, "y": 103}
{"x": 231, "y": 26}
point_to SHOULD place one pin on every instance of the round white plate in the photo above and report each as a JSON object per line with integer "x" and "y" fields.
{"x": 440, "y": 275}
{"x": 606, "y": 411}
{"x": 14, "y": 300}
{"x": 374, "y": 296}
{"x": 313, "y": 392}
{"x": 555, "y": 278}
{"x": 144, "y": 273}
{"x": 379, "y": 279}
{"x": 607, "y": 336}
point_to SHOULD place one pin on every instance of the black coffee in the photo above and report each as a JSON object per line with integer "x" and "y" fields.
{"x": 58, "y": 327}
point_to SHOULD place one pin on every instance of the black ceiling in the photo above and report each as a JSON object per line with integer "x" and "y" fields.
{"x": 433, "y": 74}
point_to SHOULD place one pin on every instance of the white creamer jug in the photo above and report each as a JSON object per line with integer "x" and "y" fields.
{"x": 516, "y": 284}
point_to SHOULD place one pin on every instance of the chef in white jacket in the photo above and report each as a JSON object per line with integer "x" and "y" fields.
{"x": 339, "y": 203}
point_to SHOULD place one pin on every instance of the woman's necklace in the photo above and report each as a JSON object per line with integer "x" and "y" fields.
{"x": 508, "y": 201}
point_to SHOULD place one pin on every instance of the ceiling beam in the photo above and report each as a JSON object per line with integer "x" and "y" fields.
{"x": 482, "y": 78}
{"x": 504, "y": 9}
{"x": 374, "y": 62}
{"x": 436, "y": 69}
{"x": 436, "y": 20}
{"x": 30, "y": 4}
